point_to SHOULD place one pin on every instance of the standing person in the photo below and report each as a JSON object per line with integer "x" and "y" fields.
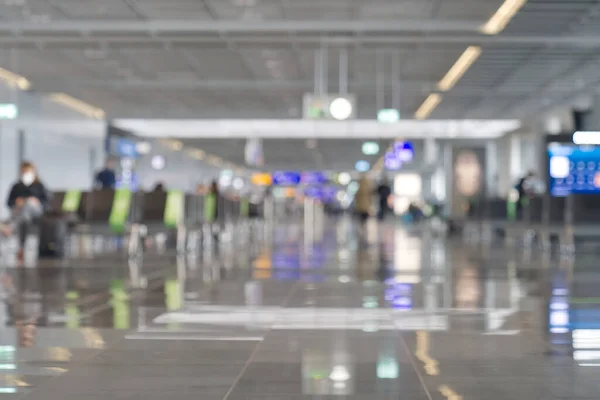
{"x": 364, "y": 199}
{"x": 213, "y": 189}
{"x": 524, "y": 190}
{"x": 28, "y": 199}
{"x": 384, "y": 192}
{"x": 107, "y": 178}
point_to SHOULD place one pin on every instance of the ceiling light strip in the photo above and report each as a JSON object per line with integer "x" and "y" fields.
{"x": 502, "y": 17}
{"x": 198, "y": 154}
{"x": 464, "y": 62}
{"x": 14, "y": 80}
{"x": 430, "y": 103}
{"x": 77, "y": 105}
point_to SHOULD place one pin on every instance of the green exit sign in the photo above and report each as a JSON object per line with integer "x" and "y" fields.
{"x": 8, "y": 111}
{"x": 388, "y": 115}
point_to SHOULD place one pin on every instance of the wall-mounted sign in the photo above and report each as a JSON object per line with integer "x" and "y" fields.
{"x": 468, "y": 173}
{"x": 8, "y": 111}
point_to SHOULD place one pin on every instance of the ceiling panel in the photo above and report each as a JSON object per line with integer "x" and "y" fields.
{"x": 173, "y": 9}
{"x": 257, "y": 74}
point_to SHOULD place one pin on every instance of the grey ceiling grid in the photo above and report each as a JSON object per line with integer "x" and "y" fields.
{"x": 547, "y": 52}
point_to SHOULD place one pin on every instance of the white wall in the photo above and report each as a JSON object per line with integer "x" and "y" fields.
{"x": 57, "y": 140}
{"x": 518, "y": 153}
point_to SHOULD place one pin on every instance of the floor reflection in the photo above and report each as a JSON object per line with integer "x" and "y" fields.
{"x": 410, "y": 313}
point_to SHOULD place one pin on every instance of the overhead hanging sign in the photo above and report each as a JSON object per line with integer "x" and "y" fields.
{"x": 262, "y": 179}
{"x": 8, "y": 111}
{"x": 329, "y": 107}
{"x": 253, "y": 152}
{"x": 404, "y": 151}
{"x": 388, "y": 115}
{"x": 286, "y": 178}
{"x": 391, "y": 162}
{"x": 370, "y": 148}
{"x": 313, "y": 178}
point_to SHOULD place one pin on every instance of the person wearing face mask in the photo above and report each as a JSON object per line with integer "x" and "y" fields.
{"x": 28, "y": 199}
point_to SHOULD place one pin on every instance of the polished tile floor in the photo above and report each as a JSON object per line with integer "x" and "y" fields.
{"x": 284, "y": 315}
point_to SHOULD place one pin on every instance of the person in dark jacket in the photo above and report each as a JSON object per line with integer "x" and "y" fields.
{"x": 383, "y": 193}
{"x": 107, "y": 178}
{"x": 28, "y": 199}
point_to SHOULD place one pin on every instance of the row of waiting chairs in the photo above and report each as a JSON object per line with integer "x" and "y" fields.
{"x": 562, "y": 218}
{"x": 95, "y": 208}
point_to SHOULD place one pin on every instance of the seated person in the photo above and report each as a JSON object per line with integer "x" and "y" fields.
{"x": 159, "y": 188}
{"x": 28, "y": 199}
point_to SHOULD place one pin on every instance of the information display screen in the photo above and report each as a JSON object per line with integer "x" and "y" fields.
{"x": 573, "y": 169}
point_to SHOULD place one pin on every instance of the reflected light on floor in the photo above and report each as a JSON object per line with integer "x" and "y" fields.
{"x": 93, "y": 339}
{"x": 449, "y": 393}
{"x": 422, "y": 353}
{"x": 60, "y": 354}
{"x": 407, "y": 257}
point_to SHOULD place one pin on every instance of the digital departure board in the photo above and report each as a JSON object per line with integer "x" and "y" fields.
{"x": 573, "y": 169}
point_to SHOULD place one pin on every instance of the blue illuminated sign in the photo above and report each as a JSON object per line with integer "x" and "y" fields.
{"x": 125, "y": 148}
{"x": 404, "y": 151}
{"x": 391, "y": 161}
{"x": 313, "y": 178}
{"x": 286, "y": 178}
{"x": 313, "y": 192}
{"x": 398, "y": 295}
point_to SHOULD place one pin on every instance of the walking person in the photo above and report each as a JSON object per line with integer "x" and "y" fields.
{"x": 363, "y": 205}
{"x": 383, "y": 192}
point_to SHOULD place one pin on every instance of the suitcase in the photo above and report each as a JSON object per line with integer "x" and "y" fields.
{"x": 53, "y": 236}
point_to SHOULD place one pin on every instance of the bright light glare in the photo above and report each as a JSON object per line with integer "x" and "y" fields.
{"x": 370, "y": 148}
{"x": 344, "y": 178}
{"x": 586, "y": 137}
{"x": 340, "y": 108}
{"x": 158, "y": 162}
{"x": 238, "y": 183}
{"x": 586, "y": 355}
{"x": 143, "y": 147}
{"x": 362, "y": 166}
{"x": 339, "y": 374}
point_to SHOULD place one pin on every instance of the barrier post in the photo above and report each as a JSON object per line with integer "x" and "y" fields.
{"x": 545, "y": 231}
{"x": 309, "y": 220}
{"x": 568, "y": 237}
{"x": 528, "y": 232}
